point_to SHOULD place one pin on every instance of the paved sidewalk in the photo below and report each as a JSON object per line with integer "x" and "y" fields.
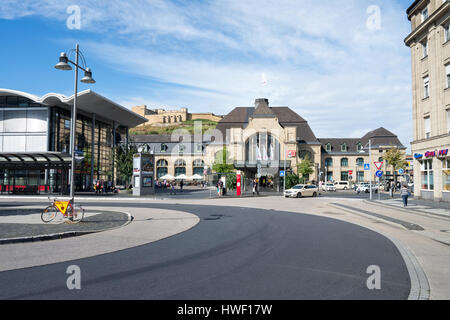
{"x": 417, "y": 206}
{"x": 24, "y": 224}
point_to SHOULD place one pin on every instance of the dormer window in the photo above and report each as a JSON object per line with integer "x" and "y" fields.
{"x": 344, "y": 147}
{"x": 163, "y": 147}
{"x": 359, "y": 146}
{"x": 328, "y": 147}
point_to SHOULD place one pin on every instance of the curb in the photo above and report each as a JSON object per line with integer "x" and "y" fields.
{"x": 420, "y": 288}
{"x": 62, "y": 235}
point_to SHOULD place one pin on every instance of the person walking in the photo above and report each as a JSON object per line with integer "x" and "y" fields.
{"x": 405, "y": 194}
{"x": 181, "y": 186}
{"x": 172, "y": 188}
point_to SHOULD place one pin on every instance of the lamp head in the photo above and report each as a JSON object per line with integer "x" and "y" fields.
{"x": 63, "y": 62}
{"x": 87, "y": 76}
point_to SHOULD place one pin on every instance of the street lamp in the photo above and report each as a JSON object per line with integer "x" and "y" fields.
{"x": 63, "y": 64}
{"x": 370, "y": 165}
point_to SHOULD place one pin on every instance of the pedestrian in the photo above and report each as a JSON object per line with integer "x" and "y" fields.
{"x": 181, "y": 186}
{"x": 405, "y": 194}
{"x": 172, "y": 188}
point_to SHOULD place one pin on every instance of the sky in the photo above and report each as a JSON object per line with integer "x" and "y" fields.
{"x": 341, "y": 65}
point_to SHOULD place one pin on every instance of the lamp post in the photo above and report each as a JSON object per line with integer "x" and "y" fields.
{"x": 370, "y": 165}
{"x": 63, "y": 64}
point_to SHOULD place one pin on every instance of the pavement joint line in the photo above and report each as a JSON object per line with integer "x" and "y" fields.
{"x": 61, "y": 235}
{"x": 397, "y": 222}
{"x": 420, "y": 288}
{"x": 415, "y": 211}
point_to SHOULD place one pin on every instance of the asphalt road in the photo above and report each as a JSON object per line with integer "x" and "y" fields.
{"x": 233, "y": 253}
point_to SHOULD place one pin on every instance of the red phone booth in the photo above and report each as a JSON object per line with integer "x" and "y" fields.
{"x": 238, "y": 183}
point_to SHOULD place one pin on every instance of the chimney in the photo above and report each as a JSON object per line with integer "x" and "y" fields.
{"x": 263, "y": 102}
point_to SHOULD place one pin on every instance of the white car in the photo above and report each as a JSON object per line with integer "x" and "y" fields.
{"x": 342, "y": 185}
{"x": 365, "y": 187}
{"x": 329, "y": 187}
{"x": 302, "y": 190}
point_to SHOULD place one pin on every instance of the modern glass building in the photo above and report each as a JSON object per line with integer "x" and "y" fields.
{"x": 35, "y": 140}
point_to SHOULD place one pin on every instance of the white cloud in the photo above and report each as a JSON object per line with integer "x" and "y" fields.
{"x": 319, "y": 58}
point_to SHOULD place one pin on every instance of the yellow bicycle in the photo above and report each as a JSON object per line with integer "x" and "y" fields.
{"x": 70, "y": 212}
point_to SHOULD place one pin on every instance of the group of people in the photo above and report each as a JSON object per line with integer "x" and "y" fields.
{"x": 102, "y": 186}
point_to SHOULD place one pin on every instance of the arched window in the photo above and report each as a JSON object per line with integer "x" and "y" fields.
{"x": 344, "y": 162}
{"x": 262, "y": 147}
{"x": 180, "y": 167}
{"x": 161, "y": 168}
{"x": 328, "y": 162}
{"x": 198, "y": 166}
{"x": 303, "y": 154}
{"x": 360, "y": 162}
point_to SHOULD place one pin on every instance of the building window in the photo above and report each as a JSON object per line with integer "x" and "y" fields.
{"x": 424, "y": 14}
{"x": 328, "y": 162}
{"x": 180, "y": 167}
{"x": 427, "y": 127}
{"x": 344, "y": 162}
{"x": 426, "y": 87}
{"x": 359, "y": 147}
{"x": 447, "y": 75}
{"x": 360, "y": 176}
{"x": 424, "y": 48}
{"x": 360, "y": 162}
{"x": 427, "y": 175}
{"x": 328, "y": 147}
{"x": 344, "y": 147}
{"x": 446, "y": 32}
{"x": 344, "y": 176}
{"x": 303, "y": 154}
{"x": 448, "y": 120}
{"x": 161, "y": 168}
{"x": 198, "y": 147}
{"x": 182, "y": 148}
{"x": 163, "y": 147}
{"x": 446, "y": 174}
{"x": 198, "y": 166}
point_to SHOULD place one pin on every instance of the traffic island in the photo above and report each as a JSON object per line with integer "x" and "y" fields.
{"x": 22, "y": 225}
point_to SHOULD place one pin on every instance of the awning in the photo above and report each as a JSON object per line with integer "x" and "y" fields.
{"x": 263, "y": 164}
{"x": 35, "y": 161}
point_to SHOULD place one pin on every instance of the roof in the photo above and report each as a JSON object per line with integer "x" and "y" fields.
{"x": 87, "y": 101}
{"x": 239, "y": 117}
{"x": 34, "y": 160}
{"x": 411, "y": 7}
{"x": 380, "y": 138}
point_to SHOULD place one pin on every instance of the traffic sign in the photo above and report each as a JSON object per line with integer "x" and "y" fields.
{"x": 378, "y": 164}
{"x": 379, "y": 174}
{"x": 401, "y": 171}
{"x": 282, "y": 173}
{"x": 366, "y": 166}
{"x": 350, "y": 172}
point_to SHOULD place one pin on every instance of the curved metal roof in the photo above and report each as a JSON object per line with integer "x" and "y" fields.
{"x": 34, "y": 160}
{"x": 87, "y": 101}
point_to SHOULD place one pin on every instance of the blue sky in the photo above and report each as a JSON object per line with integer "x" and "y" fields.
{"x": 318, "y": 57}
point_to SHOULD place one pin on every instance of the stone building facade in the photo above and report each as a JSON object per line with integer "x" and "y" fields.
{"x": 429, "y": 41}
{"x": 261, "y": 141}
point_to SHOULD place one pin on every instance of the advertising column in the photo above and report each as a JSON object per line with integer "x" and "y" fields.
{"x": 238, "y": 183}
{"x": 143, "y": 174}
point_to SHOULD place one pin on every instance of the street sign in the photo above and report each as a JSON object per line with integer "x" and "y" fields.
{"x": 366, "y": 166}
{"x": 282, "y": 173}
{"x": 379, "y": 174}
{"x": 378, "y": 164}
{"x": 401, "y": 171}
{"x": 350, "y": 172}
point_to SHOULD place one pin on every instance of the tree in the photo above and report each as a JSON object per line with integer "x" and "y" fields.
{"x": 222, "y": 164}
{"x": 396, "y": 159}
{"x": 292, "y": 180}
{"x": 124, "y": 161}
{"x": 305, "y": 169}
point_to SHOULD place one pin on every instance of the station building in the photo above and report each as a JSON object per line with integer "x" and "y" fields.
{"x": 262, "y": 140}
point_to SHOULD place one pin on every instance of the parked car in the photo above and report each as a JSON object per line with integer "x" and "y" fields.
{"x": 365, "y": 187}
{"x": 302, "y": 190}
{"x": 329, "y": 187}
{"x": 342, "y": 185}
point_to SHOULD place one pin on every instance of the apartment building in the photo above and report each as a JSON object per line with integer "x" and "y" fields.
{"x": 429, "y": 41}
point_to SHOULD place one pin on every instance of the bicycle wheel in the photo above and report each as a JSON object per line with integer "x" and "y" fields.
{"x": 49, "y": 214}
{"x": 76, "y": 213}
